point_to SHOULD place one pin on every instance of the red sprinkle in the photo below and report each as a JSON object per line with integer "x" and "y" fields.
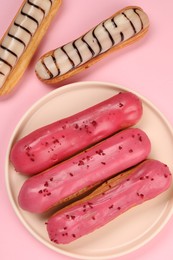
{"x": 110, "y": 207}
{"x": 100, "y": 152}
{"x": 103, "y": 163}
{"x": 81, "y": 163}
{"x": 76, "y": 126}
{"x": 46, "y": 184}
{"x": 140, "y": 138}
{"x": 94, "y": 123}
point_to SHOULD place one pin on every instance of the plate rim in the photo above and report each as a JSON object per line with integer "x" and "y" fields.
{"x": 37, "y": 104}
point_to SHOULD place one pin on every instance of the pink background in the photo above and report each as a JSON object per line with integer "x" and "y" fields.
{"x": 145, "y": 67}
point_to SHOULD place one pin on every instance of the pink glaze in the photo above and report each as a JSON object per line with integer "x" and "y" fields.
{"x": 144, "y": 182}
{"x": 115, "y": 154}
{"x": 53, "y": 143}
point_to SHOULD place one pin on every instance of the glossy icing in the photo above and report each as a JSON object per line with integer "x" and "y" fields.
{"x": 142, "y": 183}
{"x": 98, "y": 40}
{"x": 53, "y": 143}
{"x": 85, "y": 170}
{"x": 20, "y": 34}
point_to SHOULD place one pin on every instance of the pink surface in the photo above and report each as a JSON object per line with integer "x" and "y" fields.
{"x": 145, "y": 67}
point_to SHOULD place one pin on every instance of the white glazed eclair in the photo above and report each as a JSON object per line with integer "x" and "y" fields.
{"x": 22, "y": 39}
{"x": 121, "y": 29}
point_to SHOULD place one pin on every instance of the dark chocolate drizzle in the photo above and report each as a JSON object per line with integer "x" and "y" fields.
{"x": 54, "y": 60}
{"x": 17, "y": 39}
{"x": 6, "y": 62}
{"x": 23, "y": 28}
{"x": 99, "y": 44}
{"x": 36, "y": 6}
{"x": 109, "y": 34}
{"x": 89, "y": 47}
{"x": 132, "y": 25}
{"x": 6, "y": 49}
{"x": 78, "y": 52}
{"x": 142, "y": 25}
{"x": 30, "y": 17}
{"x": 48, "y": 71}
{"x": 71, "y": 61}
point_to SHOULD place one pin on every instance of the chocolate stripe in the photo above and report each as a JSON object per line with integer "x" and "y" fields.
{"x": 48, "y": 71}
{"x": 121, "y": 33}
{"x": 109, "y": 34}
{"x": 7, "y": 63}
{"x": 114, "y": 23}
{"x": 78, "y": 52}
{"x": 89, "y": 47}
{"x": 122, "y": 36}
{"x": 142, "y": 25}
{"x": 132, "y": 25}
{"x": 36, "y": 6}
{"x": 2, "y": 73}
{"x": 17, "y": 39}
{"x": 71, "y": 61}
{"x": 6, "y": 49}
{"x": 30, "y": 17}
{"x": 93, "y": 34}
{"x": 54, "y": 60}
{"x": 25, "y": 29}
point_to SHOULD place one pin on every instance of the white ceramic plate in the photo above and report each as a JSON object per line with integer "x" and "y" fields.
{"x": 132, "y": 229}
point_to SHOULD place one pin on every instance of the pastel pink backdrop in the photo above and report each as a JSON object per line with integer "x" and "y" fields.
{"x": 145, "y": 67}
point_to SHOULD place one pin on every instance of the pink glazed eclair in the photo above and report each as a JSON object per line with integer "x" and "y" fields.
{"x": 119, "y": 194}
{"x": 84, "y": 171}
{"x": 55, "y": 142}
